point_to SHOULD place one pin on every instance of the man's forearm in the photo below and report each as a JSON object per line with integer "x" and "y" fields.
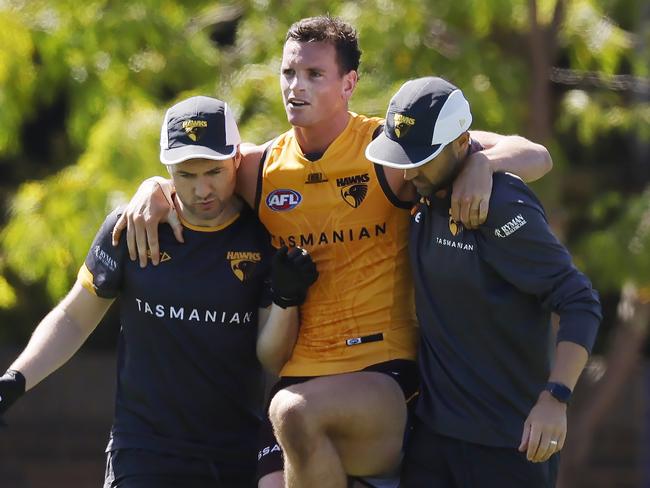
{"x": 59, "y": 335}
{"x": 54, "y": 342}
{"x": 277, "y": 337}
{"x": 515, "y": 154}
{"x": 570, "y": 360}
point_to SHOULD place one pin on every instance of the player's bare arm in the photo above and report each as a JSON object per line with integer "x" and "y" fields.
{"x": 513, "y": 154}
{"x": 54, "y": 341}
{"x": 248, "y": 171}
{"x": 292, "y": 273}
{"x": 276, "y": 336}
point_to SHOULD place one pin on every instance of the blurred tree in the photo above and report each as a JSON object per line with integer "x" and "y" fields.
{"x": 83, "y": 87}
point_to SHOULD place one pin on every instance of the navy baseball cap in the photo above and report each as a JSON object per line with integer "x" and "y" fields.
{"x": 199, "y": 127}
{"x": 423, "y": 117}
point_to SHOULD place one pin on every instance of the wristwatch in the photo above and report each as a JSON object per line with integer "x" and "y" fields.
{"x": 560, "y": 392}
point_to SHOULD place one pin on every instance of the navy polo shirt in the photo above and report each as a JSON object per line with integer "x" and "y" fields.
{"x": 188, "y": 379}
{"x": 484, "y": 299}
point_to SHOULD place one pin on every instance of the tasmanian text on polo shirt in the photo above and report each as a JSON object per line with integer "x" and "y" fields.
{"x": 193, "y": 314}
{"x": 460, "y": 245}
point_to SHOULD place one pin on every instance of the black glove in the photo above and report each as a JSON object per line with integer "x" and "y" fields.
{"x": 12, "y": 387}
{"x": 292, "y": 273}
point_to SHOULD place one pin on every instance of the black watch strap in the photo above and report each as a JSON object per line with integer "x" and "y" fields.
{"x": 560, "y": 392}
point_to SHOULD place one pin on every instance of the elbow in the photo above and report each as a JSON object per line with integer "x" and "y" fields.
{"x": 539, "y": 158}
{"x": 547, "y": 160}
{"x": 544, "y": 159}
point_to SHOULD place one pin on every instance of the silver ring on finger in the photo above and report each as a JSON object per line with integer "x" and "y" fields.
{"x": 553, "y": 443}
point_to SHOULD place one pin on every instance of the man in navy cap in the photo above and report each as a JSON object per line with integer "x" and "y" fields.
{"x": 492, "y": 406}
{"x": 189, "y": 385}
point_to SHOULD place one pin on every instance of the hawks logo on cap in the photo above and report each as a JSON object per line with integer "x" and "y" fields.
{"x": 243, "y": 264}
{"x": 402, "y": 124}
{"x": 195, "y": 128}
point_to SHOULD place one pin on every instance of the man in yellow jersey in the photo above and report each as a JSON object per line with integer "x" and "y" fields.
{"x": 340, "y": 407}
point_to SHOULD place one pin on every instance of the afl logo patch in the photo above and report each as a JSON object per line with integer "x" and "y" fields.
{"x": 281, "y": 200}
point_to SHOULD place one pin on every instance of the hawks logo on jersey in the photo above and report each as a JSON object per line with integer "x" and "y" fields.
{"x": 353, "y": 188}
{"x": 243, "y": 264}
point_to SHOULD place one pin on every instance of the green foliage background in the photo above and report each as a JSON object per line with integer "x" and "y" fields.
{"x": 83, "y": 87}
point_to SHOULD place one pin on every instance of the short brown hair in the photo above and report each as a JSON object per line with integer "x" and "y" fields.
{"x": 332, "y": 30}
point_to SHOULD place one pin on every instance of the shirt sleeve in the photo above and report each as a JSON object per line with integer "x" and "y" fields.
{"x": 102, "y": 271}
{"x": 520, "y": 247}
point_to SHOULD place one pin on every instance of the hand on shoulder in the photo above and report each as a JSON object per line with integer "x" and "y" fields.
{"x": 151, "y": 205}
{"x": 470, "y": 196}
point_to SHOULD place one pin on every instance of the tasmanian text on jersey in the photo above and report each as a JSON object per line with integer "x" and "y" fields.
{"x": 332, "y": 237}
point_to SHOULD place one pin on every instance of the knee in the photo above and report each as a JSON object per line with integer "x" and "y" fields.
{"x": 292, "y": 419}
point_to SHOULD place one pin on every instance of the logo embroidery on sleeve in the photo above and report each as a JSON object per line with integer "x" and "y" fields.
{"x": 105, "y": 258}
{"x": 510, "y": 227}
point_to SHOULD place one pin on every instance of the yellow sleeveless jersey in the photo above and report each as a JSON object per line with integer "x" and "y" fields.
{"x": 360, "y": 311}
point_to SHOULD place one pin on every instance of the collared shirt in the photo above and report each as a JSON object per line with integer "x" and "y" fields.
{"x": 188, "y": 379}
{"x": 483, "y": 300}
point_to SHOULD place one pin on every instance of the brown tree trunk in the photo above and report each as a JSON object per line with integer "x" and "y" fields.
{"x": 542, "y": 49}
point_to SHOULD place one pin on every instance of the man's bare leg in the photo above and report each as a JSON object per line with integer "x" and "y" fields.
{"x": 329, "y": 426}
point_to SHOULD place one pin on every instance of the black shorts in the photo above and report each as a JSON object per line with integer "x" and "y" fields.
{"x": 140, "y": 468}
{"x": 269, "y": 456}
{"x": 435, "y": 460}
